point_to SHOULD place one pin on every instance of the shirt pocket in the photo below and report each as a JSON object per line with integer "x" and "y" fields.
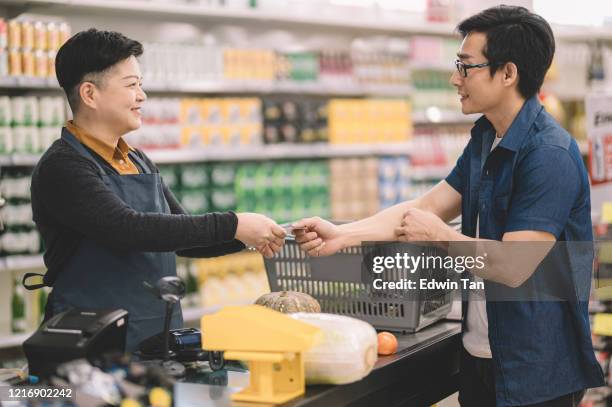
{"x": 500, "y": 209}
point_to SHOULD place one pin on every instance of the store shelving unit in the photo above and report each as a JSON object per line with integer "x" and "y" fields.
{"x": 28, "y": 83}
{"x": 235, "y": 87}
{"x": 434, "y": 115}
{"x": 20, "y": 263}
{"x": 13, "y": 340}
{"x": 258, "y": 153}
{"x": 370, "y": 22}
{"x": 278, "y": 151}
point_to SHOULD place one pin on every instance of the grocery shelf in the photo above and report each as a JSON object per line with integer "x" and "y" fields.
{"x": 362, "y": 21}
{"x": 21, "y": 159}
{"x": 434, "y": 115}
{"x": 446, "y": 66}
{"x": 580, "y": 33}
{"x": 368, "y": 21}
{"x": 278, "y": 151}
{"x": 247, "y": 153}
{"x": 336, "y": 88}
{"x": 18, "y": 82}
{"x": 567, "y": 94}
{"x": 264, "y": 87}
{"x": 22, "y": 262}
{"x": 14, "y": 340}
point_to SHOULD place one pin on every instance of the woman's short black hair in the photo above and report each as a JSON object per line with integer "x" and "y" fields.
{"x": 514, "y": 34}
{"x": 87, "y": 54}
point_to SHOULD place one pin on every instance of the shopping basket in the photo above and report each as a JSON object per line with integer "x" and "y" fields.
{"x": 343, "y": 284}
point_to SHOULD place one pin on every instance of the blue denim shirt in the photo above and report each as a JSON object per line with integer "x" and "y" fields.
{"x": 534, "y": 180}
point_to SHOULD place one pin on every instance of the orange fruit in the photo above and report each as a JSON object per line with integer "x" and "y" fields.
{"x": 387, "y": 343}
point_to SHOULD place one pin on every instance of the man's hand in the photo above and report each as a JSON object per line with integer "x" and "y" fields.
{"x": 422, "y": 226}
{"x": 261, "y": 232}
{"x": 319, "y": 237}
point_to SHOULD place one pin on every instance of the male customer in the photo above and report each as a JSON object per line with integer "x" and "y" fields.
{"x": 107, "y": 220}
{"x": 520, "y": 178}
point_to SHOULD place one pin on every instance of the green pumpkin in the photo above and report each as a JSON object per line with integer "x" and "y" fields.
{"x": 289, "y": 302}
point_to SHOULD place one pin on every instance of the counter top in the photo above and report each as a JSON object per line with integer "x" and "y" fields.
{"x": 424, "y": 370}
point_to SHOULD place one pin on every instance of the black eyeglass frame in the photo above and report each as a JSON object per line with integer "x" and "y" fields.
{"x": 462, "y": 68}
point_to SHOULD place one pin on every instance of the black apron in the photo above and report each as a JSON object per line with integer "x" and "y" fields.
{"x": 101, "y": 277}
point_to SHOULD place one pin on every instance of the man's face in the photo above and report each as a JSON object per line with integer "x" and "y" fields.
{"x": 479, "y": 91}
{"x": 120, "y": 96}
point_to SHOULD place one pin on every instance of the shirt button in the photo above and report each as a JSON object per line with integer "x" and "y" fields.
{"x": 487, "y": 172}
{"x": 121, "y": 162}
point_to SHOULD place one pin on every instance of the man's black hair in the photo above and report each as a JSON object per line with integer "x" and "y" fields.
{"x": 514, "y": 34}
{"x": 86, "y": 55}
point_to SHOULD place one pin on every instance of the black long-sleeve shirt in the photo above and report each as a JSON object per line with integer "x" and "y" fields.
{"x": 70, "y": 202}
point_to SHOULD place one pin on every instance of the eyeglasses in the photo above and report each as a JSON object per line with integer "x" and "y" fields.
{"x": 463, "y": 68}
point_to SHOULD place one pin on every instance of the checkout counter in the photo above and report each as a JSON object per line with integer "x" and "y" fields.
{"x": 424, "y": 370}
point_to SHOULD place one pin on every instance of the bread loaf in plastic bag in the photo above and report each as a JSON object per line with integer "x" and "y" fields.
{"x": 346, "y": 353}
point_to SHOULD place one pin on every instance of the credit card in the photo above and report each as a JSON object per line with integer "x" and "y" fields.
{"x": 290, "y": 229}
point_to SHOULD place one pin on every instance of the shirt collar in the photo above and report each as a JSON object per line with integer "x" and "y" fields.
{"x": 516, "y": 134}
{"x": 105, "y": 150}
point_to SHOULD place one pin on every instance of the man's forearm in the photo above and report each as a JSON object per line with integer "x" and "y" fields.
{"x": 507, "y": 262}
{"x": 378, "y": 227}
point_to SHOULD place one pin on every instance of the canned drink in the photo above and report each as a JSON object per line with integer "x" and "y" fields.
{"x": 53, "y": 37}
{"x": 40, "y": 36}
{"x": 41, "y": 64}
{"x": 18, "y": 110}
{"x": 64, "y": 33}
{"x": 14, "y": 34}
{"x": 25, "y": 139}
{"x": 51, "y": 64}
{"x": 5, "y": 111}
{"x": 3, "y": 33}
{"x": 60, "y": 109}
{"x": 15, "y": 63}
{"x": 34, "y": 141}
{"x": 4, "y": 63}
{"x": 47, "y": 136}
{"x": 6, "y": 140}
{"x": 27, "y": 35}
{"x": 19, "y": 138}
{"x": 32, "y": 111}
{"x": 27, "y": 63}
{"x": 46, "y": 105}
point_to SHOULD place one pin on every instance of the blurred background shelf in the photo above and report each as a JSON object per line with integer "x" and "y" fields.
{"x": 13, "y": 340}
{"x": 20, "y": 263}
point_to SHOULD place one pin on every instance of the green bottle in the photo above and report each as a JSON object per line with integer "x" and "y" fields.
{"x": 42, "y": 303}
{"x": 191, "y": 289}
{"x": 18, "y": 323}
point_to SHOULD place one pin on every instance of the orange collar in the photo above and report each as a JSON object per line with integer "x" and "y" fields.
{"x": 107, "y": 151}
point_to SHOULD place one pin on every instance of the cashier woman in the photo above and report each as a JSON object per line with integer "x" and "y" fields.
{"x": 106, "y": 218}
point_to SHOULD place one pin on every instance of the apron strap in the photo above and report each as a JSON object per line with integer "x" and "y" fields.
{"x": 32, "y": 287}
{"x": 137, "y": 160}
{"x": 74, "y": 143}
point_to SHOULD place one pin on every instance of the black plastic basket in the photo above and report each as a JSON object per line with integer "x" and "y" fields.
{"x": 342, "y": 284}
